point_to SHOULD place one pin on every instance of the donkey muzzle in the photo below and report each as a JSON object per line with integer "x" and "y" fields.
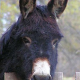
{"x": 41, "y": 69}
{"x": 41, "y": 77}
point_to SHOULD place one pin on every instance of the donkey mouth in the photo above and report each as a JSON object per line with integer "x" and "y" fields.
{"x": 41, "y": 77}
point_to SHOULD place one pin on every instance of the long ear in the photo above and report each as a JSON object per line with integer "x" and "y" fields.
{"x": 57, "y": 6}
{"x": 26, "y": 6}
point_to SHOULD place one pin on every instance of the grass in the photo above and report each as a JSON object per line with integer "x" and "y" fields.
{"x": 70, "y": 78}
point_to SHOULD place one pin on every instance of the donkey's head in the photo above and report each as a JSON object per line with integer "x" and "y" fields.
{"x": 34, "y": 39}
{"x": 42, "y": 35}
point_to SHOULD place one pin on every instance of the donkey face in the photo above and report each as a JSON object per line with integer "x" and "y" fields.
{"x": 43, "y": 34}
{"x": 36, "y": 36}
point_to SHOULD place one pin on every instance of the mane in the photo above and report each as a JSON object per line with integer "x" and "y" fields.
{"x": 4, "y": 40}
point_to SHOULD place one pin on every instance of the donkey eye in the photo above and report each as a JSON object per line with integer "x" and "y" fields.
{"x": 54, "y": 42}
{"x": 27, "y": 40}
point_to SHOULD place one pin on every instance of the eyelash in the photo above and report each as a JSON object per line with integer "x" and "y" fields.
{"x": 54, "y": 42}
{"x": 27, "y": 41}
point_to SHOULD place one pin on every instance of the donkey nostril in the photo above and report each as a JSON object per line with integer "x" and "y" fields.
{"x": 41, "y": 77}
{"x": 35, "y": 77}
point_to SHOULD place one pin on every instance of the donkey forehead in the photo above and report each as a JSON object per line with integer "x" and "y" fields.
{"x": 42, "y": 33}
{"x": 41, "y": 23}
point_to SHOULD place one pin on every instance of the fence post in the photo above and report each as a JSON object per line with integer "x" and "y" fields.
{"x": 77, "y": 75}
{"x": 58, "y": 76}
{"x": 10, "y": 76}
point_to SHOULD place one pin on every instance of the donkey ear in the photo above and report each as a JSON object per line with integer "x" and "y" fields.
{"x": 57, "y": 6}
{"x": 26, "y": 6}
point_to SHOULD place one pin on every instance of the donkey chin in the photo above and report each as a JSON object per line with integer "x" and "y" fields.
{"x": 41, "y": 70}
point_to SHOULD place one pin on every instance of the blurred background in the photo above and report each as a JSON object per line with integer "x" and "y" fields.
{"x": 69, "y": 23}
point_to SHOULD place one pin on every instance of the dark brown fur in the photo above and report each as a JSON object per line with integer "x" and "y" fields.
{"x": 40, "y": 26}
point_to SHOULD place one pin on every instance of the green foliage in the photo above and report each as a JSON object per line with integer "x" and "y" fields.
{"x": 73, "y": 7}
{"x": 67, "y": 78}
{"x": 8, "y": 14}
{"x": 9, "y": 10}
{"x": 71, "y": 20}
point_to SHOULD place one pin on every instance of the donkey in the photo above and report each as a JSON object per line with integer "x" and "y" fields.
{"x": 29, "y": 47}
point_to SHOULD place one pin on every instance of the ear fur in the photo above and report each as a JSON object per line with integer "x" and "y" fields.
{"x": 57, "y": 6}
{"x": 26, "y": 6}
